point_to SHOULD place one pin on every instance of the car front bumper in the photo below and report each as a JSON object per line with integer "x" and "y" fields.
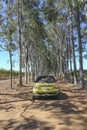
{"x": 54, "y": 92}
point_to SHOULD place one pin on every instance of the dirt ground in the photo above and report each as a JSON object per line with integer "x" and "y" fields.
{"x": 19, "y": 112}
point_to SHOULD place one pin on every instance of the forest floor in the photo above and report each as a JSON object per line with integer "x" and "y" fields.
{"x": 19, "y": 112}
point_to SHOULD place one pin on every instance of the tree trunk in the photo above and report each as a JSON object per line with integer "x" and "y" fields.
{"x": 73, "y": 51}
{"x": 70, "y": 52}
{"x": 71, "y": 65}
{"x": 80, "y": 49}
{"x": 26, "y": 64}
{"x": 20, "y": 46}
{"x": 26, "y": 72}
{"x": 67, "y": 60}
{"x": 10, "y": 68}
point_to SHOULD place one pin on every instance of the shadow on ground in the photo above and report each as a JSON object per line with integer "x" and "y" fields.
{"x": 67, "y": 110}
{"x": 31, "y": 124}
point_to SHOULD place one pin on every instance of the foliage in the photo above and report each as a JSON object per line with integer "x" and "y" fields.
{"x": 44, "y": 32}
{"x": 6, "y": 73}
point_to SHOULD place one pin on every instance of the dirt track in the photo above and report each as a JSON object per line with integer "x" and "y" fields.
{"x": 19, "y": 112}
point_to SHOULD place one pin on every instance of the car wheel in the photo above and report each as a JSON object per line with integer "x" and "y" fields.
{"x": 58, "y": 96}
{"x": 33, "y": 97}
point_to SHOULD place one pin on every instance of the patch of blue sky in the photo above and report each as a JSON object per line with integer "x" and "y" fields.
{"x": 5, "y": 60}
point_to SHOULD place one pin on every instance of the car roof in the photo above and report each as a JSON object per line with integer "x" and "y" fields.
{"x": 44, "y": 76}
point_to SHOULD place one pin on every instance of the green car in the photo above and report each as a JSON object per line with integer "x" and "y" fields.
{"x": 45, "y": 86}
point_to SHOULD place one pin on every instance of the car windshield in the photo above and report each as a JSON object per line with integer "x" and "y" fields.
{"x": 47, "y": 79}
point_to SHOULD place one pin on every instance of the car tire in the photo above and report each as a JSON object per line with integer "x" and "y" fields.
{"x": 33, "y": 97}
{"x": 58, "y": 96}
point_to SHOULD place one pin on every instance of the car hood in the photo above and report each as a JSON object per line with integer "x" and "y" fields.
{"x": 45, "y": 84}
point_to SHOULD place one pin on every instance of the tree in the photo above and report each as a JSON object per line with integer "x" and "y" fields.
{"x": 46, "y": 36}
{"x": 20, "y": 40}
{"x": 7, "y": 31}
{"x": 78, "y": 13}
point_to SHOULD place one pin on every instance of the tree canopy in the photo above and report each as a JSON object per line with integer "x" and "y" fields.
{"x": 49, "y": 35}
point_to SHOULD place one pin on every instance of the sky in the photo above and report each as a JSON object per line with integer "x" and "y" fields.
{"x": 4, "y": 61}
{"x": 5, "y": 64}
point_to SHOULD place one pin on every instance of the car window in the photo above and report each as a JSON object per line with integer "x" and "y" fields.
{"x": 47, "y": 79}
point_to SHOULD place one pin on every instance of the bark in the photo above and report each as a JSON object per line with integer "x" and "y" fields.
{"x": 67, "y": 60}
{"x": 10, "y": 43}
{"x": 20, "y": 43}
{"x": 60, "y": 59}
{"x": 73, "y": 51}
{"x": 26, "y": 65}
{"x": 25, "y": 70}
{"x": 70, "y": 52}
{"x": 80, "y": 49}
{"x": 10, "y": 67}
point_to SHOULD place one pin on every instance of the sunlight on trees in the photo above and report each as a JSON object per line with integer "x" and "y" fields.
{"x": 48, "y": 35}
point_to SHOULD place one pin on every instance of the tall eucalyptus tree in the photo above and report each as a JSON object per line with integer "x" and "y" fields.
{"x": 72, "y": 39}
{"x": 35, "y": 35}
{"x": 45, "y": 41}
{"x": 20, "y": 39}
{"x": 78, "y": 13}
{"x": 8, "y": 29}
